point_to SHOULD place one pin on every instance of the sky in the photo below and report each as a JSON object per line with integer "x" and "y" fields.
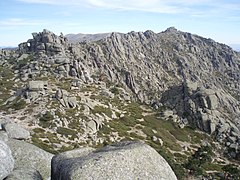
{"x": 215, "y": 19}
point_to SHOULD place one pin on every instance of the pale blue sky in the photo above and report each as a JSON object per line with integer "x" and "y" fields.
{"x": 215, "y": 19}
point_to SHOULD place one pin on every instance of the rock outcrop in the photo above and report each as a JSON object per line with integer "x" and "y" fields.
{"x": 20, "y": 159}
{"x": 15, "y": 131}
{"x": 36, "y": 90}
{"x": 45, "y": 42}
{"x": 29, "y": 156}
{"x": 125, "y": 160}
{"x": 6, "y": 160}
{"x": 65, "y": 99}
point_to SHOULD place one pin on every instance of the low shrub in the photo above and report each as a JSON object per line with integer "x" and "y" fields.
{"x": 18, "y": 104}
{"x": 65, "y": 131}
{"x": 46, "y": 117}
{"x": 101, "y": 109}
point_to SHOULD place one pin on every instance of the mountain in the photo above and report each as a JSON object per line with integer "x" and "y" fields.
{"x": 8, "y": 48}
{"x": 74, "y": 38}
{"x": 178, "y": 92}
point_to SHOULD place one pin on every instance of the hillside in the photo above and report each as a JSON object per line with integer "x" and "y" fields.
{"x": 178, "y": 92}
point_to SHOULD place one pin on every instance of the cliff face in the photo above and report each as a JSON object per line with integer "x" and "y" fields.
{"x": 189, "y": 79}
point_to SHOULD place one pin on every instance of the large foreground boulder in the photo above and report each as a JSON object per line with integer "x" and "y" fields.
{"x": 3, "y": 136}
{"x": 125, "y": 160}
{"x": 6, "y": 160}
{"x": 29, "y": 156}
{"x": 24, "y": 173}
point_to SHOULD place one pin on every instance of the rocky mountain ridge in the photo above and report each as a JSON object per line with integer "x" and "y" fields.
{"x": 121, "y": 58}
{"x": 120, "y": 86}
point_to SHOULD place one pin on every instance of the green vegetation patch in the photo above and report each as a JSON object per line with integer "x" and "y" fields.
{"x": 116, "y": 101}
{"x": 6, "y": 73}
{"x": 66, "y": 131}
{"x": 38, "y": 130}
{"x": 43, "y": 145}
{"x": 75, "y": 125}
{"x": 119, "y": 127}
{"x": 178, "y": 169}
{"x": 46, "y": 117}
{"x": 71, "y": 112}
{"x": 18, "y": 64}
{"x": 17, "y": 104}
{"x": 200, "y": 159}
{"x": 163, "y": 129}
{"x": 46, "y": 120}
{"x": 129, "y": 120}
{"x": 135, "y": 110}
{"x": 101, "y": 109}
{"x": 212, "y": 167}
{"x": 232, "y": 171}
{"x": 114, "y": 90}
{"x": 104, "y": 130}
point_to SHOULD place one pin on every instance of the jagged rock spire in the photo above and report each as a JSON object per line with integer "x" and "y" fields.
{"x": 45, "y": 42}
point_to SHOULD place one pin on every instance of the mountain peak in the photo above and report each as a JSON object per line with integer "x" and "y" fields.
{"x": 171, "y": 29}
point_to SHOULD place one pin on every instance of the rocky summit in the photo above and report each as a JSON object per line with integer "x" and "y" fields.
{"x": 175, "y": 91}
